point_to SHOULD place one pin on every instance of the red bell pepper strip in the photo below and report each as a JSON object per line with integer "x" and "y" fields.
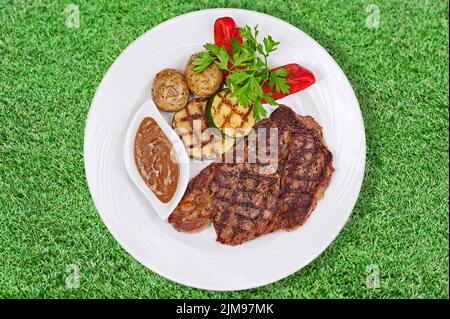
{"x": 298, "y": 79}
{"x": 224, "y": 31}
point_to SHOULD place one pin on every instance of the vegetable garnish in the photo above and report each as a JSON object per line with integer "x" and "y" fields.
{"x": 224, "y": 113}
{"x": 247, "y": 69}
{"x": 298, "y": 78}
{"x": 224, "y": 31}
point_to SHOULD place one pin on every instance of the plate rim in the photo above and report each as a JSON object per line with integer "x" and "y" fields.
{"x": 187, "y": 282}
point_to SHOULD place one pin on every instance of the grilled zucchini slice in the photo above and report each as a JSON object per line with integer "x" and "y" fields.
{"x": 200, "y": 140}
{"x": 225, "y": 113}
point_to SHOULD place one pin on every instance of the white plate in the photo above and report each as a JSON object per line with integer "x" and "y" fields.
{"x": 197, "y": 259}
{"x": 149, "y": 109}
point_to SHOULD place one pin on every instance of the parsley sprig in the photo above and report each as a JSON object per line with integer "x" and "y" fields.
{"x": 247, "y": 69}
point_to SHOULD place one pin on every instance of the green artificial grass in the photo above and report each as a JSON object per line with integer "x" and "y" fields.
{"x": 49, "y": 74}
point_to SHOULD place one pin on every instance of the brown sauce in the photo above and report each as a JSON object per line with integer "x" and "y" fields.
{"x": 157, "y": 165}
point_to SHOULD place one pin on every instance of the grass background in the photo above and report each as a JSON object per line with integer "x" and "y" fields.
{"x": 49, "y": 74}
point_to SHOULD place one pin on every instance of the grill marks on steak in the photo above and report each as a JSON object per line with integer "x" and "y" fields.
{"x": 305, "y": 175}
{"x": 245, "y": 203}
{"x": 245, "y": 200}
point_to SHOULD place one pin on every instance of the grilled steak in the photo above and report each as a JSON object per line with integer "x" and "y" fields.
{"x": 194, "y": 212}
{"x": 254, "y": 196}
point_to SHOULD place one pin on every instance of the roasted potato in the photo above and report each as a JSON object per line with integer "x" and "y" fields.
{"x": 170, "y": 91}
{"x": 205, "y": 83}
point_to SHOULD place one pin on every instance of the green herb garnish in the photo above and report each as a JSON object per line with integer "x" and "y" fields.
{"x": 247, "y": 69}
